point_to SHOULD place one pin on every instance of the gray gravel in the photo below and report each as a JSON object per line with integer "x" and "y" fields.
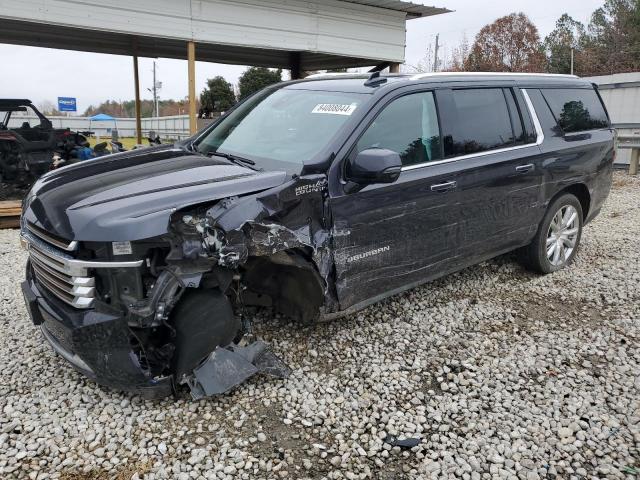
{"x": 501, "y": 373}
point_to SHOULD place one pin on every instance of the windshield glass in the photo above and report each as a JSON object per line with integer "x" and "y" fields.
{"x": 282, "y": 128}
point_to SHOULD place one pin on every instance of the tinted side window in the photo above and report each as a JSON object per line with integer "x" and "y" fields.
{"x": 483, "y": 121}
{"x": 409, "y": 126}
{"x": 576, "y": 110}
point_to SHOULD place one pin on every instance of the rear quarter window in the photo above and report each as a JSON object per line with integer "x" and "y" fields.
{"x": 575, "y": 109}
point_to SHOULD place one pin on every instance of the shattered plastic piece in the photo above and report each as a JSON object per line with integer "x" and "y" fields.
{"x": 230, "y": 366}
{"x": 405, "y": 443}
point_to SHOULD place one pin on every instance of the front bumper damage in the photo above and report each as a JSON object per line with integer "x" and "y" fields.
{"x": 227, "y": 367}
{"x": 269, "y": 249}
{"x": 98, "y": 345}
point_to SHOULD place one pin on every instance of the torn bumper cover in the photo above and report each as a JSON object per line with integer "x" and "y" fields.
{"x": 227, "y": 367}
{"x": 98, "y": 345}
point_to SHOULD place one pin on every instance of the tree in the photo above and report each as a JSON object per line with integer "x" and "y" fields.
{"x": 568, "y": 35}
{"x": 459, "y": 57}
{"x": 613, "y": 38}
{"x": 218, "y": 96}
{"x": 48, "y": 108}
{"x": 256, "y": 78}
{"x": 510, "y": 44}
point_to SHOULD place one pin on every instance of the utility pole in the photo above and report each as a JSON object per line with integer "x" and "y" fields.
{"x": 435, "y": 57}
{"x": 155, "y": 92}
{"x": 571, "y": 60}
{"x": 156, "y": 86}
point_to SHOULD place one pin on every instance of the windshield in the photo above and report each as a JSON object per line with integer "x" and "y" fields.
{"x": 282, "y": 128}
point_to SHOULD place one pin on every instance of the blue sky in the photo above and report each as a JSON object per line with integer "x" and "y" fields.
{"x": 44, "y": 74}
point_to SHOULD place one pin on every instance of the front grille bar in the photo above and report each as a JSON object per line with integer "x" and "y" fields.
{"x": 64, "y": 263}
{"x": 62, "y": 275}
{"x": 47, "y": 237}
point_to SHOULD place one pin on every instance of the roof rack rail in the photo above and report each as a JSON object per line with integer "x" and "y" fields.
{"x": 336, "y": 74}
{"x": 497, "y": 74}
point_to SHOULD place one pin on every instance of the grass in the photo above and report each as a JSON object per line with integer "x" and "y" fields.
{"x": 127, "y": 142}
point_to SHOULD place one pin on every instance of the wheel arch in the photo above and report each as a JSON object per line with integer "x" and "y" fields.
{"x": 290, "y": 279}
{"x": 581, "y": 192}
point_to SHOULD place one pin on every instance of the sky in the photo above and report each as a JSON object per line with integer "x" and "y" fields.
{"x": 42, "y": 74}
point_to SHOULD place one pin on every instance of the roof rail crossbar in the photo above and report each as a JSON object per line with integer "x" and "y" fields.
{"x": 374, "y": 79}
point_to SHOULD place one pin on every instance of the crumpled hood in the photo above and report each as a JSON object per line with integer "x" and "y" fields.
{"x": 131, "y": 196}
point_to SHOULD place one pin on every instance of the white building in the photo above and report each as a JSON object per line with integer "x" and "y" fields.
{"x": 621, "y": 95}
{"x": 299, "y": 35}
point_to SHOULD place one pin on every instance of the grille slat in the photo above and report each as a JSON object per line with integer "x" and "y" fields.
{"x": 72, "y": 290}
{"x": 52, "y": 239}
{"x": 68, "y": 286}
{"x": 61, "y": 274}
{"x": 52, "y": 271}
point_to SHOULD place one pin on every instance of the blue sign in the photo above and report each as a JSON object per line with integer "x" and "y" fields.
{"x": 66, "y": 104}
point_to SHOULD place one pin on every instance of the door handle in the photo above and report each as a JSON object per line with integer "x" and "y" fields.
{"x": 524, "y": 168}
{"x": 444, "y": 187}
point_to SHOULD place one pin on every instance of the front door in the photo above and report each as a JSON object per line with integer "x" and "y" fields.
{"x": 392, "y": 236}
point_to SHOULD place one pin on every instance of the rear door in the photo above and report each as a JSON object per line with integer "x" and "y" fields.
{"x": 489, "y": 132}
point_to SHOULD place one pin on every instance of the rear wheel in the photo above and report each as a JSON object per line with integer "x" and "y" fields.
{"x": 558, "y": 236}
{"x": 203, "y": 320}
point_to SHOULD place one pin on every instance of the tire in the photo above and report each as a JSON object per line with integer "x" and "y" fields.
{"x": 558, "y": 237}
{"x": 203, "y": 320}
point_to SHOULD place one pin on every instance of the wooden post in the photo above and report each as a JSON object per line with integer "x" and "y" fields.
{"x": 136, "y": 81}
{"x": 633, "y": 163}
{"x": 394, "y": 67}
{"x": 191, "y": 54}
{"x": 294, "y": 65}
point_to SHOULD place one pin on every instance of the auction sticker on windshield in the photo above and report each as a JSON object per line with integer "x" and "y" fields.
{"x": 334, "y": 108}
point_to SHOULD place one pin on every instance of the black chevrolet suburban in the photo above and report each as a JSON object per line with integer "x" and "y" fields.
{"x": 315, "y": 198}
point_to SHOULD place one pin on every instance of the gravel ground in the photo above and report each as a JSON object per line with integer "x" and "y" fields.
{"x": 501, "y": 373}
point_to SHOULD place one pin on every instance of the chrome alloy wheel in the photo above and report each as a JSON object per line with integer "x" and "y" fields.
{"x": 562, "y": 235}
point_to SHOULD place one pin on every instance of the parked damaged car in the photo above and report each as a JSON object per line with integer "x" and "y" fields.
{"x": 27, "y": 141}
{"x": 315, "y": 198}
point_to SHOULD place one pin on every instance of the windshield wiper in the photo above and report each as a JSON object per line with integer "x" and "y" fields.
{"x": 233, "y": 158}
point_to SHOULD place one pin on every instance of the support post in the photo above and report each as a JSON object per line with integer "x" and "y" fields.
{"x": 136, "y": 81}
{"x": 394, "y": 67}
{"x": 633, "y": 164}
{"x": 294, "y": 65}
{"x": 191, "y": 60}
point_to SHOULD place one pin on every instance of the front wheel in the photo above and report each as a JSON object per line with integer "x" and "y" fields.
{"x": 558, "y": 236}
{"x": 203, "y": 320}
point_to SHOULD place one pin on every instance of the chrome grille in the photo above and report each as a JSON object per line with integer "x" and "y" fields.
{"x": 52, "y": 272}
{"x": 67, "y": 278}
{"x": 76, "y": 291}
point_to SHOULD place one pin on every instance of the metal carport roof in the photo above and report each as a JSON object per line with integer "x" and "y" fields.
{"x": 314, "y": 34}
{"x": 413, "y": 10}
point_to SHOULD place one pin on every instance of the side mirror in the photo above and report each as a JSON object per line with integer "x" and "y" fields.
{"x": 374, "y": 165}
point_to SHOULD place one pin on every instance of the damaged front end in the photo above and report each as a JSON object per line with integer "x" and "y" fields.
{"x": 178, "y": 317}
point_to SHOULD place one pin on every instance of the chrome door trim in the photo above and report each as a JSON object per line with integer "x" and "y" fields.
{"x": 444, "y": 187}
{"x": 534, "y": 117}
{"x": 536, "y": 125}
{"x": 525, "y": 168}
